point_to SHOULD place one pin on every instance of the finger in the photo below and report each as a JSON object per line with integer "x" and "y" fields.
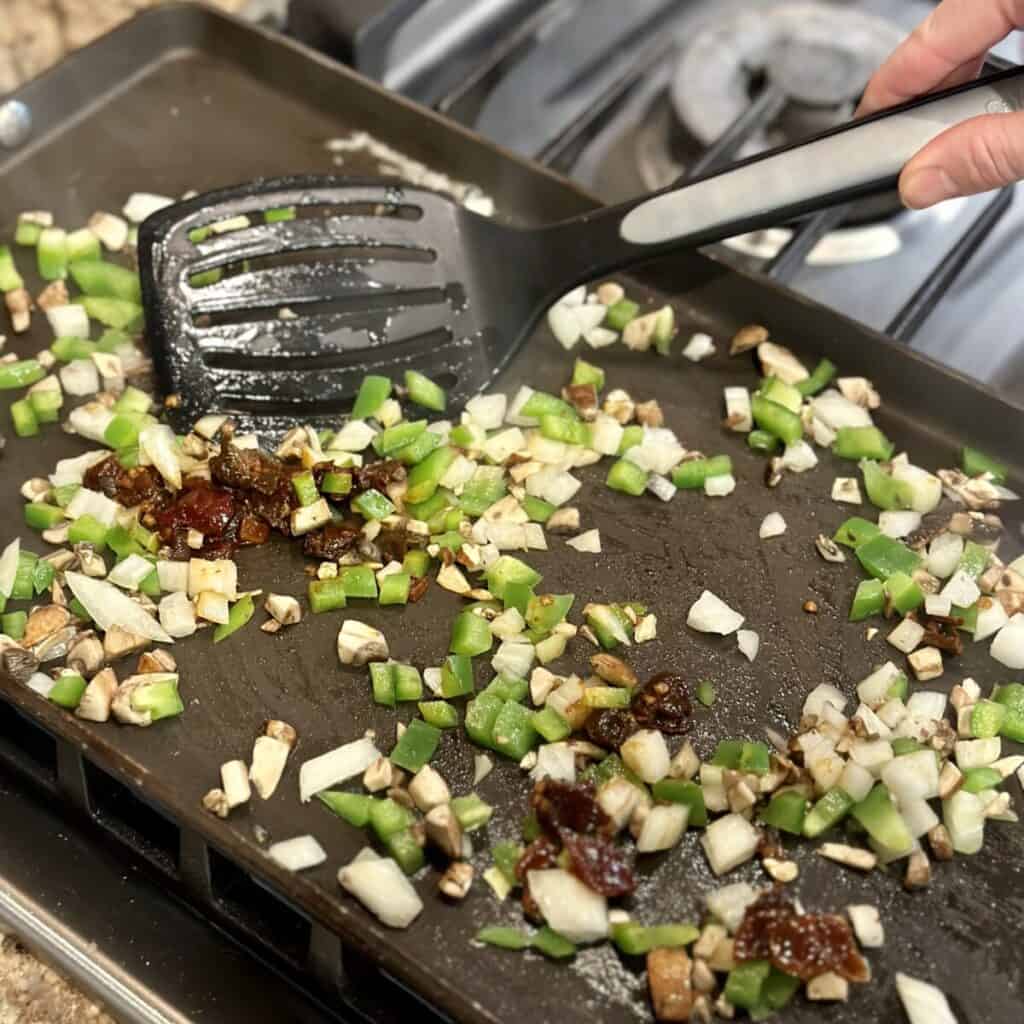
{"x": 976, "y": 156}
{"x": 946, "y": 45}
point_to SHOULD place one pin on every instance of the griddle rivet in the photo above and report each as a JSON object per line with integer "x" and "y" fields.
{"x": 15, "y": 123}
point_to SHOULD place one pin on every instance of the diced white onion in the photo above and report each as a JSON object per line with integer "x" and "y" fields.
{"x": 662, "y": 828}
{"x": 856, "y": 781}
{"x": 1008, "y": 646}
{"x": 710, "y": 614}
{"x": 927, "y": 704}
{"x": 944, "y": 554}
{"x": 737, "y": 409}
{"x": 513, "y": 658}
{"x": 873, "y": 689}
{"x": 488, "y": 411}
{"x": 173, "y": 576}
{"x": 773, "y": 525}
{"x": 383, "y": 888}
{"x": 297, "y": 854}
{"x": 606, "y": 435}
{"x": 553, "y": 485}
{"x": 917, "y": 814}
{"x": 589, "y": 315}
{"x": 729, "y": 842}
{"x": 574, "y": 298}
{"x": 926, "y": 488}
{"x": 898, "y": 523}
{"x": 9, "y": 566}
{"x": 936, "y": 604}
{"x": 355, "y": 436}
{"x": 568, "y": 906}
{"x": 799, "y": 457}
{"x": 661, "y": 487}
{"x": 141, "y": 204}
{"x": 822, "y": 694}
{"x": 92, "y": 503}
{"x": 338, "y": 765}
{"x": 69, "y": 321}
{"x": 923, "y": 1003}
{"x": 963, "y": 814}
{"x": 72, "y": 471}
{"x": 158, "y": 443}
{"x": 728, "y": 903}
{"x": 906, "y": 636}
{"x": 991, "y": 618}
{"x": 41, "y": 683}
{"x": 108, "y": 607}
{"x": 219, "y": 575}
{"x": 749, "y": 643}
{"x": 720, "y": 486}
{"x": 513, "y": 416}
{"x": 836, "y": 411}
{"x": 564, "y": 326}
{"x": 913, "y": 776}
{"x": 589, "y": 542}
{"x": 177, "y": 614}
{"x": 90, "y": 420}
{"x": 555, "y": 761}
{"x": 656, "y": 455}
{"x": 699, "y": 347}
{"x": 600, "y": 337}
{"x": 80, "y": 377}
{"x": 977, "y": 753}
{"x": 646, "y": 753}
{"x": 130, "y": 572}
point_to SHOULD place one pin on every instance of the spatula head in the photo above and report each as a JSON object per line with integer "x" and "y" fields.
{"x": 276, "y": 319}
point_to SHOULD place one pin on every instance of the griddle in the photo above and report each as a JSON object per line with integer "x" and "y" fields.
{"x": 184, "y": 98}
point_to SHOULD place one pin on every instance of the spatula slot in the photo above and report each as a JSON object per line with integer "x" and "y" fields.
{"x": 369, "y": 304}
{"x": 255, "y": 214}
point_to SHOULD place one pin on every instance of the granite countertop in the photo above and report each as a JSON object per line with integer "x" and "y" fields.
{"x": 34, "y": 34}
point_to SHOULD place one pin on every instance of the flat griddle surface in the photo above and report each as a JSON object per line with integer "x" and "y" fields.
{"x": 217, "y": 103}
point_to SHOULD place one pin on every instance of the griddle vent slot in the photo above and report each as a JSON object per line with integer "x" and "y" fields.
{"x": 29, "y": 745}
{"x": 132, "y": 820}
{"x": 259, "y": 912}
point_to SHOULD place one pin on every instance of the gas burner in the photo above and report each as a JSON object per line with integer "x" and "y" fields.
{"x": 818, "y": 56}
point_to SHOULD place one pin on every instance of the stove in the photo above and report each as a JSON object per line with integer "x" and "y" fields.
{"x": 627, "y": 98}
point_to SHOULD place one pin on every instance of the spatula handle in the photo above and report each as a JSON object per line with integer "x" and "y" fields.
{"x": 862, "y": 158}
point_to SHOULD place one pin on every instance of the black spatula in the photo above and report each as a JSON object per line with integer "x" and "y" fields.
{"x": 374, "y": 277}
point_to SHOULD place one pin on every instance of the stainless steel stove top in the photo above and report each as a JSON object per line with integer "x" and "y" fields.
{"x": 626, "y": 97}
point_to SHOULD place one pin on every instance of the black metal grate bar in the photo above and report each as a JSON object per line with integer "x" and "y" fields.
{"x": 561, "y": 151}
{"x": 490, "y": 64}
{"x": 922, "y": 303}
{"x": 762, "y": 111}
{"x": 790, "y": 258}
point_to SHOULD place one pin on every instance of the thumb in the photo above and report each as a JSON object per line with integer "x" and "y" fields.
{"x": 979, "y": 155}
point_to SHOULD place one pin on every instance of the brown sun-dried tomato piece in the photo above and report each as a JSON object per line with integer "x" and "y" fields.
{"x": 253, "y": 530}
{"x": 559, "y": 805}
{"x": 599, "y": 864}
{"x": 663, "y": 703}
{"x": 206, "y": 509}
{"x": 806, "y": 945}
{"x": 377, "y": 475}
{"x": 753, "y": 936}
{"x": 610, "y": 727}
{"x": 332, "y": 541}
{"x": 418, "y": 588}
{"x": 540, "y": 854}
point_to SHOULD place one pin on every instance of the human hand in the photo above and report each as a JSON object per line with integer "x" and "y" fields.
{"x": 947, "y": 49}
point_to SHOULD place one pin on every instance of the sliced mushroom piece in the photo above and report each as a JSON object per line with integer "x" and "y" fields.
{"x": 44, "y": 622}
{"x": 234, "y": 777}
{"x": 778, "y": 361}
{"x": 444, "y": 830}
{"x": 17, "y": 663}
{"x": 455, "y": 882}
{"x": 747, "y": 338}
{"x": 613, "y": 670}
{"x": 269, "y": 757}
{"x": 56, "y": 645}
{"x": 829, "y": 549}
{"x": 216, "y": 802}
{"x": 428, "y": 789}
{"x": 98, "y": 697}
{"x": 118, "y": 642}
{"x": 157, "y": 660}
{"x": 283, "y": 609}
{"x": 121, "y": 706}
{"x": 282, "y": 731}
{"x": 669, "y": 980}
{"x": 85, "y": 655}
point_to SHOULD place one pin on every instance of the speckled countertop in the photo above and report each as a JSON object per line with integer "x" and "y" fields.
{"x": 35, "y": 34}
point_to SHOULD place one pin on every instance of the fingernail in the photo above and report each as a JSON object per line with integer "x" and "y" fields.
{"x": 926, "y": 187}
